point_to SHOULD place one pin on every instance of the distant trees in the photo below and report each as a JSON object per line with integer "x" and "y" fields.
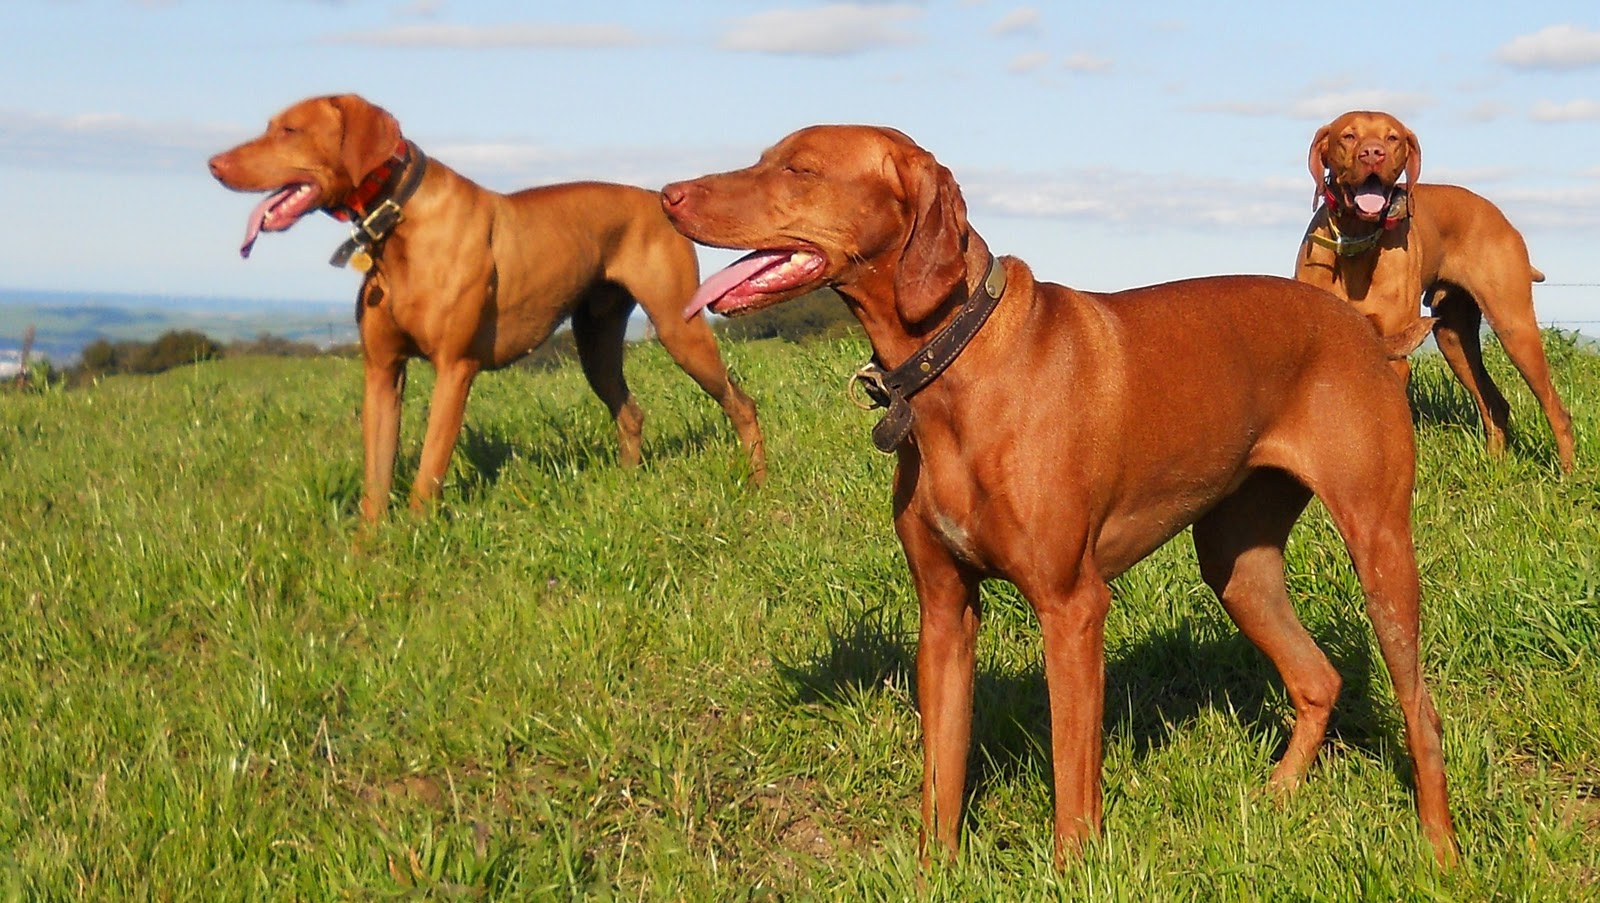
{"x": 180, "y": 347}
{"x": 818, "y": 315}
{"x": 171, "y": 349}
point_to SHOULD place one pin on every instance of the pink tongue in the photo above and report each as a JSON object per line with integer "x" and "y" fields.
{"x": 735, "y": 273}
{"x": 1371, "y": 202}
{"x": 258, "y": 216}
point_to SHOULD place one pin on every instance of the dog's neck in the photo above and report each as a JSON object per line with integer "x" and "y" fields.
{"x": 924, "y": 366}
{"x": 894, "y": 340}
{"x": 374, "y": 207}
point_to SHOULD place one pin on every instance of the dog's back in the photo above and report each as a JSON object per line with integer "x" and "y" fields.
{"x": 1156, "y": 402}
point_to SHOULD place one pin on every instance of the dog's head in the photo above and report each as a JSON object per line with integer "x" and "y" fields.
{"x": 860, "y": 208}
{"x": 310, "y": 157}
{"x": 1366, "y": 153}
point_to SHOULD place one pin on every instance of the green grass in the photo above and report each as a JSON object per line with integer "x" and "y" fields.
{"x": 577, "y": 681}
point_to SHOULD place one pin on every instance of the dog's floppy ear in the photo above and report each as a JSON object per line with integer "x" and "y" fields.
{"x": 1413, "y": 160}
{"x": 370, "y": 135}
{"x": 1317, "y": 162}
{"x": 933, "y": 261}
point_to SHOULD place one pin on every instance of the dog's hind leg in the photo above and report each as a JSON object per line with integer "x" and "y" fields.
{"x": 1457, "y": 334}
{"x": 1371, "y": 507}
{"x": 1239, "y": 544}
{"x": 599, "y": 326}
{"x": 1512, "y": 319}
{"x": 693, "y": 346}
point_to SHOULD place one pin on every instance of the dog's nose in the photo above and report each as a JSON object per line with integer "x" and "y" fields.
{"x": 216, "y": 165}
{"x": 674, "y": 195}
{"x": 1372, "y": 153}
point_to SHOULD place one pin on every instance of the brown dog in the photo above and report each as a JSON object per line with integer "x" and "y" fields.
{"x": 1383, "y": 248}
{"x": 473, "y": 280}
{"x": 1074, "y": 433}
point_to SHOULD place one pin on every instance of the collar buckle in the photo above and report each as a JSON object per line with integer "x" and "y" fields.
{"x": 868, "y": 380}
{"x": 383, "y": 218}
{"x": 892, "y": 389}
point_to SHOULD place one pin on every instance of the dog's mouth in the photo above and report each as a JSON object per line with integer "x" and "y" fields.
{"x": 278, "y": 211}
{"x": 1370, "y": 198}
{"x": 758, "y": 279}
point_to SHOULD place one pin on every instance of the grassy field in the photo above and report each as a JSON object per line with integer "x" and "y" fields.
{"x": 576, "y": 681}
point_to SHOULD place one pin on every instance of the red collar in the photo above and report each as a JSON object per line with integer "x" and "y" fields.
{"x": 355, "y": 204}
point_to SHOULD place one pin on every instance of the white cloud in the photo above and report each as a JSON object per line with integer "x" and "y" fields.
{"x": 1022, "y": 20}
{"x": 1126, "y": 198}
{"x": 108, "y": 141}
{"x": 1565, "y": 208}
{"x": 1556, "y": 47}
{"x": 1571, "y": 111}
{"x": 113, "y": 142}
{"x": 1028, "y": 62}
{"x": 498, "y": 36}
{"x": 837, "y": 29}
{"x": 425, "y": 9}
{"x": 1487, "y": 111}
{"x": 510, "y": 165}
{"x": 1083, "y": 62}
{"x": 493, "y": 158}
{"x": 1472, "y": 176}
{"x": 1326, "y": 105}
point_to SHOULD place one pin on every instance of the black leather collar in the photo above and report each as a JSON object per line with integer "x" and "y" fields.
{"x": 892, "y": 389}
{"x": 368, "y": 232}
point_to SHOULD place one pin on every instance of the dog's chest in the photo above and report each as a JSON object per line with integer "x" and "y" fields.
{"x": 952, "y": 511}
{"x": 955, "y": 535}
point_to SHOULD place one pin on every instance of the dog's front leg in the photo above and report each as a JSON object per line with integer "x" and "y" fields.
{"x": 445, "y": 414}
{"x": 380, "y": 430}
{"x": 1072, "y": 622}
{"x": 946, "y": 646}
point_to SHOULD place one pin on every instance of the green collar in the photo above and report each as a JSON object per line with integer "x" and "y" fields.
{"x": 1344, "y": 245}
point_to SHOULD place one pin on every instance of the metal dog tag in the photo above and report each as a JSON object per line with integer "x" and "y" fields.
{"x": 361, "y": 261}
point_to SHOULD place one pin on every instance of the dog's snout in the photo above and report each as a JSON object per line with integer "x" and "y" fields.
{"x": 218, "y": 166}
{"x": 1372, "y": 153}
{"x": 674, "y": 195}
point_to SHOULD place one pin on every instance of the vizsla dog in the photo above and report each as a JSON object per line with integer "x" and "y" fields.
{"x": 1382, "y": 247}
{"x": 1069, "y": 434}
{"x": 473, "y": 280}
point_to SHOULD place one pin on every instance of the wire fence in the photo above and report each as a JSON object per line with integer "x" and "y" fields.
{"x": 1567, "y": 321}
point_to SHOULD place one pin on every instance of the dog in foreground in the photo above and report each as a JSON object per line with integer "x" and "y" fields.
{"x": 1381, "y": 247}
{"x": 472, "y": 279}
{"x": 1069, "y": 434}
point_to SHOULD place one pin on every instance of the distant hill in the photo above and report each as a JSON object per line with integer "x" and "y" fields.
{"x": 67, "y": 321}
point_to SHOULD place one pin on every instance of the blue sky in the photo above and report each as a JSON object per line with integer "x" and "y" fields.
{"x": 1110, "y": 145}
